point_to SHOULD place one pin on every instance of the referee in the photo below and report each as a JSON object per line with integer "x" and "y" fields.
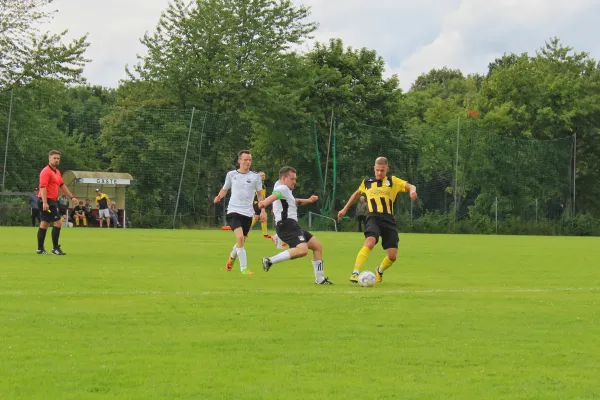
{"x": 50, "y": 181}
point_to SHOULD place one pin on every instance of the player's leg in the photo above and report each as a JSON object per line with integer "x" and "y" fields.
{"x": 280, "y": 244}
{"x": 240, "y": 225}
{"x": 389, "y": 242}
{"x": 290, "y": 232}
{"x": 317, "y": 260}
{"x": 263, "y": 227}
{"x": 372, "y": 233}
{"x": 47, "y": 217}
{"x": 56, "y": 228}
{"x": 254, "y": 220}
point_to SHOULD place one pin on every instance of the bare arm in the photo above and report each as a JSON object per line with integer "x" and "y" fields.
{"x": 355, "y": 196}
{"x": 44, "y": 193}
{"x": 412, "y": 189}
{"x": 269, "y": 200}
{"x": 310, "y": 200}
{"x": 67, "y": 193}
{"x": 220, "y": 195}
{"x": 351, "y": 200}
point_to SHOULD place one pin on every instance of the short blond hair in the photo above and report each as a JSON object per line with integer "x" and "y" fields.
{"x": 381, "y": 161}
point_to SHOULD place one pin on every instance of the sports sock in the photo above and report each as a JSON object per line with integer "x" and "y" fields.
{"x": 84, "y": 221}
{"x": 253, "y": 222}
{"x": 263, "y": 226}
{"x": 283, "y": 256}
{"x": 241, "y": 253}
{"x": 319, "y": 272}
{"x": 233, "y": 253}
{"x": 41, "y": 236}
{"x": 361, "y": 258}
{"x": 55, "y": 236}
{"x": 385, "y": 264}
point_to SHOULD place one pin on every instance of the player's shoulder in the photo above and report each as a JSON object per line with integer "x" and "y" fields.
{"x": 396, "y": 178}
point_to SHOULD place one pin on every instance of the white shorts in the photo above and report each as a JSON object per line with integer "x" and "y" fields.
{"x": 103, "y": 213}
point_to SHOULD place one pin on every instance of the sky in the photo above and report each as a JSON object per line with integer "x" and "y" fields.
{"x": 411, "y": 36}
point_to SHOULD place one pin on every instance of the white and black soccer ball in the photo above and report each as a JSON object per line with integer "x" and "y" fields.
{"x": 366, "y": 279}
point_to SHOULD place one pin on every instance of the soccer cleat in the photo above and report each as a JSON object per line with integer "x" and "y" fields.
{"x": 267, "y": 236}
{"x": 246, "y": 271}
{"x": 266, "y": 264}
{"x": 378, "y": 275}
{"x": 354, "y": 277}
{"x": 229, "y": 264}
{"x": 41, "y": 251}
{"x": 324, "y": 282}
{"x": 58, "y": 251}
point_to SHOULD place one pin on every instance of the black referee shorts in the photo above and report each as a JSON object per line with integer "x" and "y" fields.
{"x": 384, "y": 227}
{"x": 51, "y": 214}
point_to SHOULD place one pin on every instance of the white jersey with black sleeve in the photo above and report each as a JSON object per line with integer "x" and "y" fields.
{"x": 285, "y": 206}
{"x": 243, "y": 189}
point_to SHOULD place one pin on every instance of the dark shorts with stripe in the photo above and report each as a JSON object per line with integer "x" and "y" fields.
{"x": 384, "y": 227}
{"x": 290, "y": 232}
{"x": 235, "y": 220}
{"x": 51, "y": 214}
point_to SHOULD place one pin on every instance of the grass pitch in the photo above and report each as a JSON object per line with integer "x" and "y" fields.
{"x": 152, "y": 314}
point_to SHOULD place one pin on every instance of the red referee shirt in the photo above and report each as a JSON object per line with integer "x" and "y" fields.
{"x": 51, "y": 179}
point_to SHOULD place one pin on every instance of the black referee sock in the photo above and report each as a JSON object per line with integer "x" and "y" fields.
{"x": 55, "y": 236}
{"x": 41, "y": 238}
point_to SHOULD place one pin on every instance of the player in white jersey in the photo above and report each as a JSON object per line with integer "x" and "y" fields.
{"x": 244, "y": 184}
{"x": 280, "y": 244}
{"x": 285, "y": 207}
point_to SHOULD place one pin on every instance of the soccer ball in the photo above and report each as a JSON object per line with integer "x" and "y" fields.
{"x": 366, "y": 279}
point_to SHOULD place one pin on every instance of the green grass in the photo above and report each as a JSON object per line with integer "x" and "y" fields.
{"x": 152, "y": 314}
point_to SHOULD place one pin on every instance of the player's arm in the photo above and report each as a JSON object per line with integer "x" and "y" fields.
{"x": 270, "y": 199}
{"x": 412, "y": 190}
{"x": 350, "y": 201}
{"x": 310, "y": 200}
{"x": 66, "y": 192}
{"x": 44, "y": 180}
{"x": 224, "y": 189}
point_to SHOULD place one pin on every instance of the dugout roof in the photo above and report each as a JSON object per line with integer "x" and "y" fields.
{"x": 83, "y": 185}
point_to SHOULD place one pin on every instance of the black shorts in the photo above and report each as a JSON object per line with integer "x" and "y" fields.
{"x": 290, "y": 232}
{"x": 51, "y": 215}
{"x": 235, "y": 220}
{"x": 384, "y": 227}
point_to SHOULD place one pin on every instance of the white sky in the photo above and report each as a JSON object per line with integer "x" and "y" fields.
{"x": 412, "y": 36}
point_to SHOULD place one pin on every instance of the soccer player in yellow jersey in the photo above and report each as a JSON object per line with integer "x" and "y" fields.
{"x": 381, "y": 192}
{"x": 256, "y": 217}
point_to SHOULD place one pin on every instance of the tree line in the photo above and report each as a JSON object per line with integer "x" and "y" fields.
{"x": 219, "y": 76}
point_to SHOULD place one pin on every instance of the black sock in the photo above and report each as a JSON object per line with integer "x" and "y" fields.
{"x": 55, "y": 235}
{"x": 41, "y": 238}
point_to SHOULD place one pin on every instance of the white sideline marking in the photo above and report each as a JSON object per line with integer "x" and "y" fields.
{"x": 290, "y": 291}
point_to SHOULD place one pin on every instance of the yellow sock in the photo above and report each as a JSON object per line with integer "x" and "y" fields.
{"x": 84, "y": 221}
{"x": 385, "y": 264}
{"x": 253, "y": 222}
{"x": 263, "y": 225}
{"x": 77, "y": 221}
{"x": 361, "y": 257}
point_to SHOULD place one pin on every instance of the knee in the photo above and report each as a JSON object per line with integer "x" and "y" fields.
{"x": 370, "y": 242}
{"x": 302, "y": 251}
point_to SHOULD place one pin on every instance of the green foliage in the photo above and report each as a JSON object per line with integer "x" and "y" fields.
{"x": 28, "y": 54}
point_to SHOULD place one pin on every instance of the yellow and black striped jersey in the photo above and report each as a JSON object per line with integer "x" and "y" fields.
{"x": 381, "y": 194}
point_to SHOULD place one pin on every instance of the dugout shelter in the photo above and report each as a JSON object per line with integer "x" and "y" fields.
{"x": 83, "y": 185}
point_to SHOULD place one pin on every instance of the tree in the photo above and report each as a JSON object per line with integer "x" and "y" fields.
{"x": 212, "y": 54}
{"x": 27, "y": 53}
